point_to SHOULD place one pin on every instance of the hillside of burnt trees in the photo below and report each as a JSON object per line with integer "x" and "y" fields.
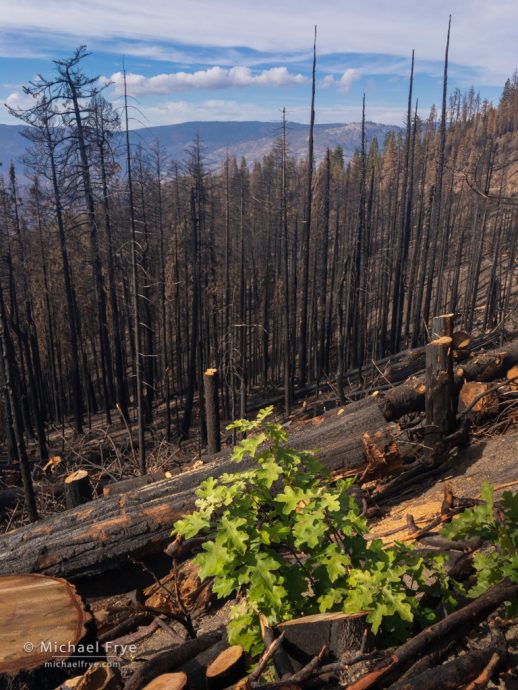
{"x": 124, "y": 276}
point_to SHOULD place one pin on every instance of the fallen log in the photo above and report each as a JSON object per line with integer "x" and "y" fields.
{"x": 453, "y": 674}
{"x": 100, "y": 535}
{"x": 512, "y": 376}
{"x": 409, "y": 396}
{"x": 490, "y": 365}
{"x": 461, "y": 340}
{"x": 404, "y": 399}
{"x": 281, "y": 661}
{"x": 486, "y": 400}
{"x": 195, "y": 669}
{"x": 125, "y": 485}
{"x": 407, "y": 364}
{"x": 42, "y": 621}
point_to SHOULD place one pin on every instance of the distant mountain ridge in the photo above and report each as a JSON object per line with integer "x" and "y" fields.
{"x": 251, "y": 139}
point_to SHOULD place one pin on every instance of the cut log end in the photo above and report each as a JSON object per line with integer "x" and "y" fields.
{"x": 512, "y": 376}
{"x": 443, "y": 341}
{"x": 169, "y": 681}
{"x": 478, "y": 398}
{"x": 50, "y": 623}
{"x": 44, "y": 608}
{"x": 461, "y": 340}
{"x": 76, "y": 476}
{"x": 228, "y": 668}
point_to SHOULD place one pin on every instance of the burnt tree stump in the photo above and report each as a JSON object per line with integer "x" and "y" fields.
{"x": 440, "y": 390}
{"x": 304, "y": 637}
{"x": 78, "y": 489}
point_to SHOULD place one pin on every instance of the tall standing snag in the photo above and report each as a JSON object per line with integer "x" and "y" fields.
{"x": 211, "y": 385}
{"x": 135, "y": 299}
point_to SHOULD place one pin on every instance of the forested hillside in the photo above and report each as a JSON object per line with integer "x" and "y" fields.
{"x": 120, "y": 287}
{"x": 253, "y": 140}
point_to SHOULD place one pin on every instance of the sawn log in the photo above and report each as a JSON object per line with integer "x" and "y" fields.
{"x": 100, "y": 535}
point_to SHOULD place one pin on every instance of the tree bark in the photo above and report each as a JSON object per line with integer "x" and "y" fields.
{"x": 439, "y": 396}
{"x": 100, "y": 535}
{"x": 211, "y": 384}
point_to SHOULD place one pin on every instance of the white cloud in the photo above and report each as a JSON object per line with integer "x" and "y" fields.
{"x": 343, "y": 83}
{"x": 347, "y": 78}
{"x": 327, "y": 81}
{"x": 212, "y": 78}
{"x": 19, "y": 100}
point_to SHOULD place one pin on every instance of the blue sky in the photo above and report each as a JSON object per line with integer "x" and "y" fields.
{"x": 246, "y": 59}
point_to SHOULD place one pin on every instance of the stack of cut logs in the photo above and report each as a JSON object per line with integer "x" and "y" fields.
{"x": 134, "y": 517}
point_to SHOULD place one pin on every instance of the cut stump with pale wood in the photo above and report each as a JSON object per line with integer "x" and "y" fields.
{"x": 42, "y": 621}
{"x": 78, "y": 489}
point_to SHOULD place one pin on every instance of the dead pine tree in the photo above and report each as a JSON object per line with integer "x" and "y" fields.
{"x": 287, "y": 359}
{"x": 135, "y": 298}
{"x": 70, "y": 91}
{"x": 306, "y": 229}
{"x": 437, "y": 215}
{"x": 197, "y": 207}
{"x": 405, "y": 228}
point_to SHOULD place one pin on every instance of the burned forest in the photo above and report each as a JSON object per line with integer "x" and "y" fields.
{"x": 258, "y": 419}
